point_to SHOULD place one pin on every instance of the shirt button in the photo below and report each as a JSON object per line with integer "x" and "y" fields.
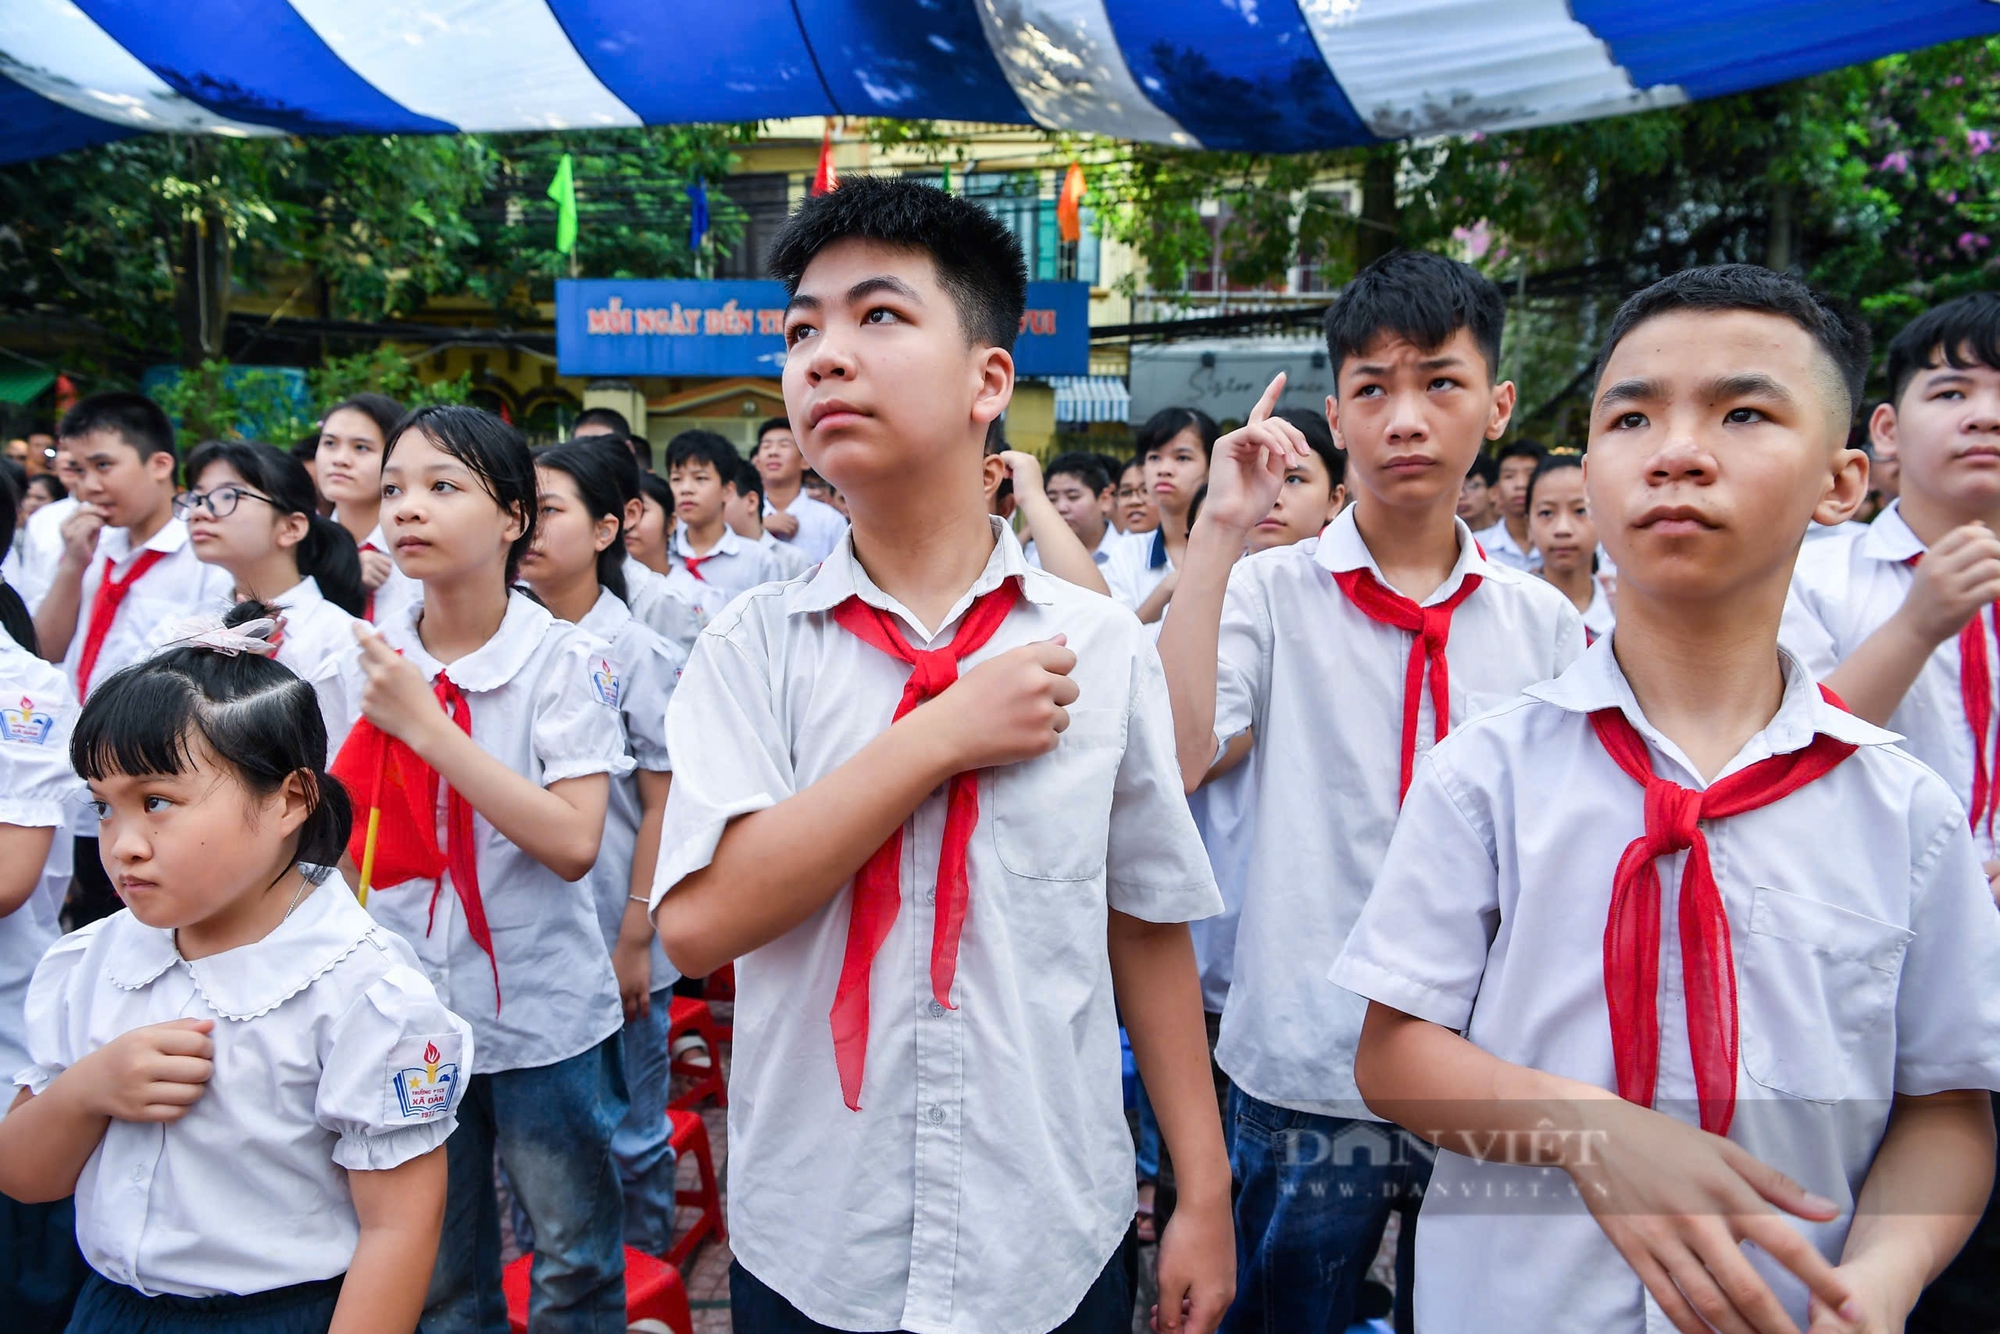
{"x": 937, "y": 1010}
{"x": 930, "y": 895}
{"x": 138, "y": 1173}
{"x": 937, "y": 1115}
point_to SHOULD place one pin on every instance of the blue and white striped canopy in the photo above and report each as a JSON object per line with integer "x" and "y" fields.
{"x": 1275, "y": 75}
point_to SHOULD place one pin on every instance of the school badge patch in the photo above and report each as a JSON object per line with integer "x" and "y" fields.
{"x": 423, "y": 1083}
{"x": 604, "y": 683}
{"x": 27, "y": 724}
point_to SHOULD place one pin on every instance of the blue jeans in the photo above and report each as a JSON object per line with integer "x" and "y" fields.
{"x": 1313, "y": 1195}
{"x": 1146, "y": 1148}
{"x": 642, "y": 1146}
{"x": 754, "y": 1308}
{"x": 552, "y": 1126}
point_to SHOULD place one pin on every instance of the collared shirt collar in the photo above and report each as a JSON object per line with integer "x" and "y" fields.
{"x": 1890, "y": 538}
{"x": 117, "y": 542}
{"x": 728, "y": 546}
{"x": 1596, "y": 682}
{"x": 497, "y": 661}
{"x": 250, "y": 980}
{"x": 305, "y": 593}
{"x": 1341, "y": 549}
{"x": 606, "y": 616}
{"x": 841, "y": 577}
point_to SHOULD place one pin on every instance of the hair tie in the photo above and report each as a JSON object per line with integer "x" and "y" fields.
{"x": 209, "y": 632}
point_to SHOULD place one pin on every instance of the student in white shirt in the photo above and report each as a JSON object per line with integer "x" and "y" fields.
{"x": 1077, "y": 485}
{"x": 126, "y": 570}
{"x": 1478, "y": 498}
{"x": 675, "y": 608}
{"x": 811, "y": 525}
{"x": 701, "y": 469}
{"x": 1899, "y": 621}
{"x": 38, "y": 790}
{"x": 40, "y": 543}
{"x": 576, "y": 567}
{"x": 1566, "y": 540}
{"x": 1345, "y": 657}
{"x": 511, "y": 711}
{"x": 1173, "y": 451}
{"x": 1508, "y": 542}
{"x": 950, "y": 1154}
{"x": 249, "y": 510}
{"x": 347, "y": 469}
{"x": 1013, "y": 485}
{"x": 1135, "y": 513}
{"x": 1720, "y": 951}
{"x": 241, "y": 1077}
{"x": 743, "y": 511}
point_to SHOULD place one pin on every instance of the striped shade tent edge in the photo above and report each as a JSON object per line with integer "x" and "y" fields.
{"x": 1263, "y": 75}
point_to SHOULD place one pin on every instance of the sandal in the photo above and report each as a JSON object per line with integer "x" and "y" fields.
{"x": 689, "y": 1049}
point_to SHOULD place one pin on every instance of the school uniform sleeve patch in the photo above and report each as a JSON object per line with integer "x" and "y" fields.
{"x": 28, "y": 722}
{"x": 607, "y": 683}
{"x": 422, "y": 1079}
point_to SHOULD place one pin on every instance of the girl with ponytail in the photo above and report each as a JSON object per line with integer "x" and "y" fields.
{"x": 250, "y": 509}
{"x": 577, "y": 568}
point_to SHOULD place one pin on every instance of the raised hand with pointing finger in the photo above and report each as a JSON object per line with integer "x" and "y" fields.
{"x": 1247, "y": 469}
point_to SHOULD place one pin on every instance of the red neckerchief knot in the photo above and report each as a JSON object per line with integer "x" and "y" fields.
{"x": 1431, "y": 628}
{"x": 1632, "y": 929}
{"x": 878, "y": 891}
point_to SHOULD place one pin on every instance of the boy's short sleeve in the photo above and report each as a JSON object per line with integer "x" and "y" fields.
{"x": 1422, "y": 941}
{"x": 50, "y": 1009}
{"x": 394, "y": 1074}
{"x": 1947, "y": 1006}
{"x": 1156, "y": 866}
{"x": 1243, "y": 654}
{"x": 577, "y": 727}
{"x": 731, "y": 756}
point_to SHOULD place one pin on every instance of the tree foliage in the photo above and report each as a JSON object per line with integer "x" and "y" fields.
{"x": 221, "y": 401}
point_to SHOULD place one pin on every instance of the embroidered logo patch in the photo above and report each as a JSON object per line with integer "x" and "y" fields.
{"x": 423, "y": 1091}
{"x": 604, "y": 683}
{"x": 27, "y": 724}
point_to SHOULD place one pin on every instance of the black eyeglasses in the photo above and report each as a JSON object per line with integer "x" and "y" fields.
{"x": 221, "y": 502}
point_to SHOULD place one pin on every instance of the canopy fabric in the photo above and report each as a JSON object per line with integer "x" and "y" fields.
{"x": 1091, "y": 398}
{"x": 1268, "y": 75}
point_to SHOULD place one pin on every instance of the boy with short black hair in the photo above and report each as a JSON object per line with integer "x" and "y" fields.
{"x": 809, "y": 523}
{"x": 1081, "y": 490}
{"x": 950, "y": 1151}
{"x": 600, "y": 421}
{"x": 660, "y": 605}
{"x": 1899, "y": 620}
{"x": 1801, "y": 1039}
{"x": 126, "y": 569}
{"x": 744, "y": 511}
{"x": 701, "y": 469}
{"x": 1506, "y": 540}
{"x": 1344, "y": 657}
{"x": 1477, "y": 505}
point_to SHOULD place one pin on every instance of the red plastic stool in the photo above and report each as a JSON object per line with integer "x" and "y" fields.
{"x": 720, "y": 985}
{"x": 691, "y": 1136}
{"x": 653, "y": 1291}
{"x": 688, "y": 1015}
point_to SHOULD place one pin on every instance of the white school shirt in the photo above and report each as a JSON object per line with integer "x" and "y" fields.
{"x": 1502, "y": 549}
{"x": 540, "y": 706}
{"x": 1224, "y": 811}
{"x": 787, "y": 561}
{"x": 177, "y": 586}
{"x": 988, "y": 1176}
{"x": 1864, "y": 939}
{"x": 397, "y": 593}
{"x": 319, "y": 647}
{"x": 1599, "y": 616}
{"x": 41, "y": 550}
{"x": 38, "y": 790}
{"x": 646, "y": 668}
{"x": 661, "y": 606}
{"x": 1322, "y": 685}
{"x": 1841, "y": 593}
{"x": 821, "y": 526}
{"x": 332, "y": 1055}
{"x": 733, "y": 565}
{"x": 1136, "y": 566}
{"x": 1099, "y": 555}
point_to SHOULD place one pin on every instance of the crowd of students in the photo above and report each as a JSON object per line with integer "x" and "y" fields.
{"x": 389, "y": 785}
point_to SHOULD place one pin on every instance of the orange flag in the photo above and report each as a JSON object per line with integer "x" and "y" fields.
{"x": 826, "y": 178}
{"x": 1069, "y": 206}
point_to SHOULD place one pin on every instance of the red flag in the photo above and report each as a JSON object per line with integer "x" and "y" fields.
{"x": 826, "y": 178}
{"x": 407, "y": 846}
{"x": 1069, "y": 205}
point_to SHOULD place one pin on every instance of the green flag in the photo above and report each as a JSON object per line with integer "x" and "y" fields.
{"x": 945, "y": 185}
{"x": 563, "y": 190}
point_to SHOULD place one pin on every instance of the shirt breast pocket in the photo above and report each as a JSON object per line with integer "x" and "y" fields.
{"x": 1052, "y": 814}
{"x": 1818, "y": 996}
